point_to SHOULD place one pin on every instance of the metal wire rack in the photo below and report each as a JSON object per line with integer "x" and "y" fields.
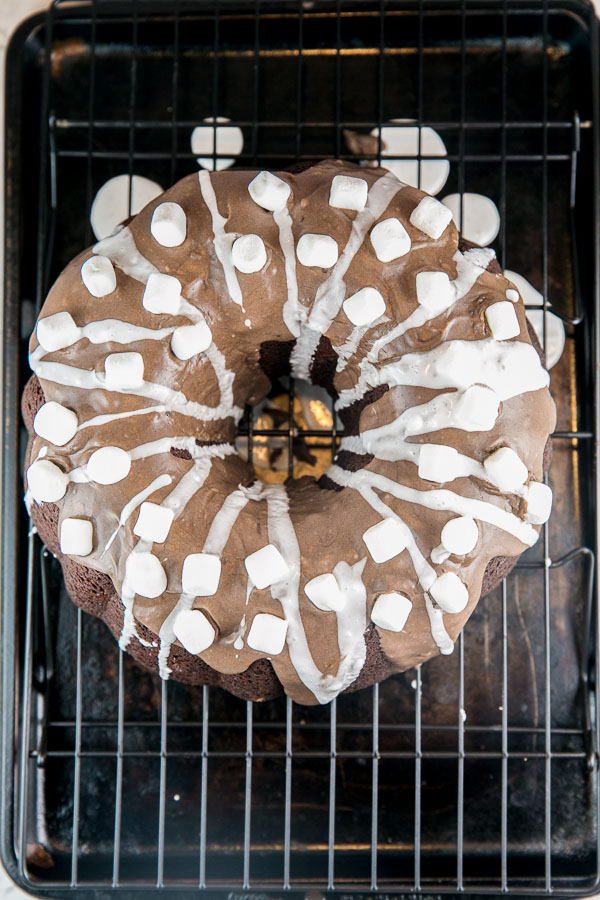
{"x": 477, "y": 774}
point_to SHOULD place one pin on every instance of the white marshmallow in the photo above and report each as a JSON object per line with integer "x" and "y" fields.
{"x": 348, "y": 193}
{"x": 111, "y": 203}
{"x": 390, "y": 240}
{"x": 477, "y": 408}
{"x": 404, "y": 140}
{"x": 153, "y": 522}
{"x": 269, "y": 191}
{"x": 390, "y": 611}
{"x": 145, "y": 575}
{"x": 385, "y": 540}
{"x": 124, "y": 370}
{"x": 229, "y": 140}
{"x": 554, "y": 339}
{"x": 502, "y": 320}
{"x": 266, "y": 567}
{"x": 194, "y": 631}
{"x": 480, "y": 217}
{"x": 325, "y": 593}
{"x": 438, "y": 463}
{"x": 248, "y": 253}
{"x": 431, "y": 217}
{"x": 449, "y": 593}
{"x": 162, "y": 294}
{"x": 46, "y": 481}
{"x": 98, "y": 275}
{"x": 365, "y": 306}
{"x": 201, "y": 574}
{"x": 539, "y": 503}
{"x": 108, "y": 465}
{"x": 267, "y": 634}
{"x": 55, "y": 423}
{"x": 189, "y": 340}
{"x": 169, "y": 224}
{"x": 512, "y": 295}
{"x": 505, "y": 469}
{"x": 317, "y": 250}
{"x": 434, "y": 291}
{"x": 460, "y": 535}
{"x": 57, "y": 331}
{"x": 76, "y": 537}
{"x": 531, "y": 296}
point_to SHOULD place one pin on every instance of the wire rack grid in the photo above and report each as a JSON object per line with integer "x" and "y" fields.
{"x": 431, "y": 782}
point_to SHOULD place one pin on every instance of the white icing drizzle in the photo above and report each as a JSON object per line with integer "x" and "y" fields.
{"x": 293, "y": 314}
{"x": 176, "y": 501}
{"x": 130, "y": 507}
{"x": 121, "y": 249}
{"x": 332, "y": 292}
{"x": 510, "y": 368}
{"x": 438, "y": 629}
{"x": 439, "y": 499}
{"x": 351, "y": 620}
{"x": 223, "y": 240}
{"x": 88, "y": 380}
{"x": 215, "y": 542}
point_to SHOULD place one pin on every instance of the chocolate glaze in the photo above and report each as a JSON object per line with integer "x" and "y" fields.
{"x": 329, "y": 523}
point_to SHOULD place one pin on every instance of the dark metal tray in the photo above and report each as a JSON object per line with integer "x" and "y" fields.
{"x": 477, "y": 775}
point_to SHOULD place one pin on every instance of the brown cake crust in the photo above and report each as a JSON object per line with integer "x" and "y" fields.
{"x": 94, "y": 588}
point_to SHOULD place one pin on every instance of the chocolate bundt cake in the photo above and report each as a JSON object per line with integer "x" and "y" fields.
{"x": 149, "y": 347}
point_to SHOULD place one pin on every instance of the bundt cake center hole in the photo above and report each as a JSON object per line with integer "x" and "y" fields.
{"x": 289, "y": 433}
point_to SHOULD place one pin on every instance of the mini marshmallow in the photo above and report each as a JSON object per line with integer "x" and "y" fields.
{"x": 431, "y": 216}
{"x": 390, "y": 611}
{"x": 194, "y": 631}
{"x": 512, "y": 295}
{"x": 201, "y": 574}
{"x": 460, "y": 535}
{"x": 123, "y": 371}
{"x": 266, "y": 567}
{"x": 434, "y": 291}
{"x": 108, "y": 465}
{"x": 55, "y": 423}
{"x": 325, "y": 593}
{"x": 169, "y": 224}
{"x": 317, "y": 250}
{"x": 98, "y": 275}
{"x": 365, "y": 306}
{"x": 145, "y": 575}
{"x": 267, "y": 634}
{"x": 57, "y": 331}
{"x": 531, "y": 296}
{"x": 385, "y": 540}
{"x": 248, "y": 253}
{"x": 502, "y": 320}
{"x": 438, "y": 462}
{"x": 46, "y": 481}
{"x": 477, "y": 408}
{"x": 189, "y": 340}
{"x": 449, "y": 593}
{"x": 162, "y": 294}
{"x": 390, "y": 240}
{"x": 269, "y": 191}
{"x": 539, "y": 503}
{"x": 153, "y": 522}
{"x": 348, "y": 193}
{"x": 76, "y": 537}
{"x": 505, "y": 469}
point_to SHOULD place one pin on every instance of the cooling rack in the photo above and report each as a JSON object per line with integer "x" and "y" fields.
{"x": 477, "y": 775}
